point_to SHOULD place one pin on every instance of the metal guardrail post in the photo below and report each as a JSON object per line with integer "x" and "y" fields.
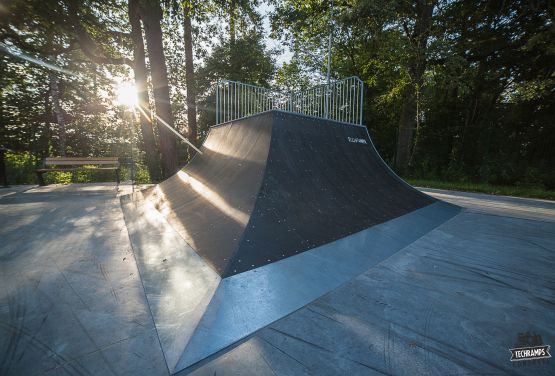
{"x": 217, "y": 102}
{"x": 3, "y": 175}
{"x": 340, "y": 100}
{"x": 361, "y": 100}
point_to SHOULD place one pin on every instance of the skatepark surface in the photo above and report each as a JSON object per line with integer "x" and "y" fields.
{"x": 277, "y": 210}
{"x": 286, "y": 246}
{"x": 451, "y": 303}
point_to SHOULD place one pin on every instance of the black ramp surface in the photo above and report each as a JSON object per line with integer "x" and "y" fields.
{"x": 209, "y": 202}
{"x": 323, "y": 181}
{"x": 273, "y": 185}
{"x": 282, "y": 209}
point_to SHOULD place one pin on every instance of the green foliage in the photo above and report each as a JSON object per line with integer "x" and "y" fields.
{"x": 486, "y": 102}
{"x": 248, "y": 60}
{"x": 20, "y": 167}
{"x": 505, "y": 190}
{"x": 291, "y": 77}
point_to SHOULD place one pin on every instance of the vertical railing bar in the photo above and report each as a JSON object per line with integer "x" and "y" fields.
{"x": 350, "y": 106}
{"x": 334, "y": 107}
{"x": 317, "y": 91}
{"x": 361, "y": 101}
{"x": 342, "y": 89}
{"x": 310, "y": 101}
{"x": 355, "y": 102}
{"x": 351, "y": 109}
{"x": 337, "y": 100}
{"x": 345, "y": 103}
{"x": 348, "y": 103}
{"x": 353, "y": 99}
{"x": 341, "y": 100}
{"x": 358, "y": 103}
{"x": 321, "y": 100}
{"x": 220, "y": 109}
{"x": 234, "y": 106}
{"x": 332, "y": 100}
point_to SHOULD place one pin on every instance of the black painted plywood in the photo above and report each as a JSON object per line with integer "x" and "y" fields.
{"x": 276, "y": 184}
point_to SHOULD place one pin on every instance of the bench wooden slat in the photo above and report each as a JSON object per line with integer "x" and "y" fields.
{"x": 62, "y": 161}
{"x": 73, "y": 164}
{"x": 55, "y": 169}
{"x": 82, "y": 158}
{"x": 79, "y": 163}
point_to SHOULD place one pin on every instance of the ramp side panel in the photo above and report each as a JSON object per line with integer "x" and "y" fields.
{"x": 178, "y": 284}
{"x": 209, "y": 202}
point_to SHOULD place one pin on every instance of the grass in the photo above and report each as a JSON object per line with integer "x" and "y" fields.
{"x": 505, "y": 190}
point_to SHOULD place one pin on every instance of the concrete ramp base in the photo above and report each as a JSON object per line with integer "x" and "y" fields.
{"x": 197, "y": 313}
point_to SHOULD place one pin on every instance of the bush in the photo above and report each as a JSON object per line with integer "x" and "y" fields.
{"x": 20, "y": 168}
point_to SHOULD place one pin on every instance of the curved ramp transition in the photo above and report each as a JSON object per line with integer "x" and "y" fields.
{"x": 278, "y": 210}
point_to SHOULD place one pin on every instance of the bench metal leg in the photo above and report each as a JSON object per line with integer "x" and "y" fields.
{"x": 40, "y": 179}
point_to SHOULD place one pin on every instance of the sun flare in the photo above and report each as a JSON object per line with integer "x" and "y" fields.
{"x": 127, "y": 94}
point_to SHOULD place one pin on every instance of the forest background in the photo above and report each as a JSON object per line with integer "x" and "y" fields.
{"x": 455, "y": 91}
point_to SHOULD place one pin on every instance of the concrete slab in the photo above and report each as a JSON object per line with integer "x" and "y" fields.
{"x": 12, "y": 189}
{"x": 517, "y": 207}
{"x": 71, "y": 300}
{"x": 451, "y": 303}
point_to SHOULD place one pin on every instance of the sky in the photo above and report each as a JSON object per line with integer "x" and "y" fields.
{"x": 285, "y": 56}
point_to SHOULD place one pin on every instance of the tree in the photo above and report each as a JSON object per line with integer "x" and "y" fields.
{"x": 151, "y": 15}
{"x": 141, "y": 84}
{"x": 190, "y": 73}
{"x": 417, "y": 23}
{"x": 254, "y": 65}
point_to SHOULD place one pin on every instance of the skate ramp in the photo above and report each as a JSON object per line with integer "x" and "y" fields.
{"x": 278, "y": 210}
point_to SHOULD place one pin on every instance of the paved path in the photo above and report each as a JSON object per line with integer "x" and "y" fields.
{"x": 71, "y": 300}
{"x": 452, "y": 303}
{"x": 517, "y": 207}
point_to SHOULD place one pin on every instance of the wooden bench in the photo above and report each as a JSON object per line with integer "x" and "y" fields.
{"x": 66, "y": 164}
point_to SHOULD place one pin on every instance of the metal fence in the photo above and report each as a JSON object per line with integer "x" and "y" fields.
{"x": 340, "y": 100}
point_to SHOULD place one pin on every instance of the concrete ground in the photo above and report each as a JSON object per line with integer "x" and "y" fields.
{"x": 451, "y": 303}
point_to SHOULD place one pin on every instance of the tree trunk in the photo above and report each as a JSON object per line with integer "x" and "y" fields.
{"x": 190, "y": 75}
{"x": 140, "y": 72}
{"x": 232, "y": 21}
{"x": 57, "y": 108}
{"x": 407, "y": 123}
{"x": 151, "y": 14}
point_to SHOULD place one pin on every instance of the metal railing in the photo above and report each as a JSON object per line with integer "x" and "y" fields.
{"x": 341, "y": 100}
